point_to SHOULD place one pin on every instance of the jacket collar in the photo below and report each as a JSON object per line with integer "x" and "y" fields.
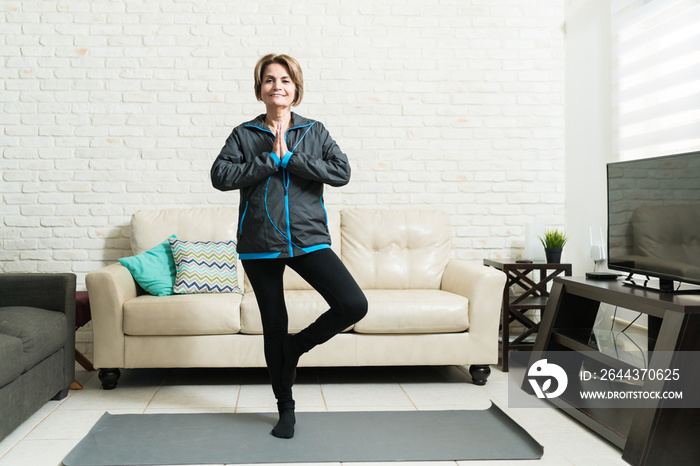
{"x": 297, "y": 121}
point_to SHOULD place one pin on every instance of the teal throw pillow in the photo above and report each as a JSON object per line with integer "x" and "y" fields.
{"x": 154, "y": 269}
{"x": 205, "y": 266}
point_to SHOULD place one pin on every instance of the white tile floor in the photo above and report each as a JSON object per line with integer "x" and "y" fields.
{"x": 47, "y": 437}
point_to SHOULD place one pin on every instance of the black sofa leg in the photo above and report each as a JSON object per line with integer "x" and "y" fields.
{"x": 109, "y": 378}
{"x": 479, "y": 374}
{"x": 61, "y": 395}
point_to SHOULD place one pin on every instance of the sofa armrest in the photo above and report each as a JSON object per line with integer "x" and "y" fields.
{"x": 109, "y": 288}
{"x": 483, "y": 286}
{"x": 50, "y": 291}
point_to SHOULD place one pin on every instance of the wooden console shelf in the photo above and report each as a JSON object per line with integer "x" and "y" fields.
{"x": 648, "y": 436}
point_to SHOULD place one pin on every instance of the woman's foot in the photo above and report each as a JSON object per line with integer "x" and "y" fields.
{"x": 285, "y": 426}
{"x": 291, "y": 360}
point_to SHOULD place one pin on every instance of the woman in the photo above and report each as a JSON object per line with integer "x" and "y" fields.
{"x": 280, "y": 161}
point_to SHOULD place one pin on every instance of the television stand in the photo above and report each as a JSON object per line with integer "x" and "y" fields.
{"x": 648, "y": 436}
{"x": 661, "y": 285}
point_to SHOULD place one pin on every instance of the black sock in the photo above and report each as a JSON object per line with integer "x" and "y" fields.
{"x": 291, "y": 358}
{"x": 285, "y": 426}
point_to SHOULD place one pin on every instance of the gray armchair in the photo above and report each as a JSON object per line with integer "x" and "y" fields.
{"x": 37, "y": 343}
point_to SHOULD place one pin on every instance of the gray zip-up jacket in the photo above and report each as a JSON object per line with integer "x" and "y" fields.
{"x": 281, "y": 212}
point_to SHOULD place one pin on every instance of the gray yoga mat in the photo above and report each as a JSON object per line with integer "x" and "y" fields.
{"x": 149, "y": 439}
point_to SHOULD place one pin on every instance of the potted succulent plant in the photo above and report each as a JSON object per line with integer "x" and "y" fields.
{"x": 553, "y": 242}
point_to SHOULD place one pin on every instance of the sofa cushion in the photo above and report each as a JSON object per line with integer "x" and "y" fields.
{"x": 303, "y": 308}
{"x": 205, "y": 266}
{"x": 11, "y": 359}
{"x": 41, "y": 332}
{"x": 414, "y": 311}
{"x": 154, "y": 269}
{"x": 396, "y": 249}
{"x": 186, "y": 314}
{"x": 390, "y": 311}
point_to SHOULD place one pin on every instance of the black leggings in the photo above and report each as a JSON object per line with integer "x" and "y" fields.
{"x": 324, "y": 271}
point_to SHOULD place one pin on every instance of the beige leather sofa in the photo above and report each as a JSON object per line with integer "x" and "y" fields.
{"x": 425, "y": 307}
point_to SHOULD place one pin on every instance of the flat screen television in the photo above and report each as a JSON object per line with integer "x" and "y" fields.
{"x": 654, "y": 221}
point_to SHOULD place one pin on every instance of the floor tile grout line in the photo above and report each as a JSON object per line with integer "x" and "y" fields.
{"x": 238, "y": 398}
{"x": 413, "y": 403}
{"x": 162, "y": 381}
{"x": 320, "y": 387}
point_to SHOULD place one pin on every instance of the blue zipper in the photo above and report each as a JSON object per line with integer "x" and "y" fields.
{"x": 285, "y": 179}
{"x": 267, "y": 212}
{"x": 240, "y": 227}
{"x": 325, "y": 212}
{"x": 302, "y": 136}
{"x": 260, "y": 128}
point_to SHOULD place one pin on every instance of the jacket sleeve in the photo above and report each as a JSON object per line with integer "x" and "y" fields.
{"x": 330, "y": 165}
{"x": 231, "y": 170}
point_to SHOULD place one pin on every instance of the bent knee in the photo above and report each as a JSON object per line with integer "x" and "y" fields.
{"x": 358, "y": 307}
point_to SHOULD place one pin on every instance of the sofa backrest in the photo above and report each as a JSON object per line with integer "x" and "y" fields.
{"x": 383, "y": 249}
{"x": 396, "y": 249}
{"x": 151, "y": 227}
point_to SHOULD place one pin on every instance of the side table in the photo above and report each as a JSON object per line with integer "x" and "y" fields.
{"x": 82, "y": 317}
{"x": 534, "y": 296}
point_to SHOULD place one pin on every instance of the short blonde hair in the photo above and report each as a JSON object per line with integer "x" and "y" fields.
{"x": 294, "y": 73}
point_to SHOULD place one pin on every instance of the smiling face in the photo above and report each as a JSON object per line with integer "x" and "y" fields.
{"x": 278, "y": 89}
{"x": 270, "y": 70}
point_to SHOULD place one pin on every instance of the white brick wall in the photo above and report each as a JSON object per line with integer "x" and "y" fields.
{"x": 110, "y": 106}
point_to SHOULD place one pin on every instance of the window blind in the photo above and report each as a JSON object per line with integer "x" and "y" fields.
{"x": 656, "y": 77}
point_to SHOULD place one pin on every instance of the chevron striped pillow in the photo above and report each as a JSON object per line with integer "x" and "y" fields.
{"x": 205, "y": 266}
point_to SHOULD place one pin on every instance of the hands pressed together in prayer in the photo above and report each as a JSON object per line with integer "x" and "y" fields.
{"x": 279, "y": 147}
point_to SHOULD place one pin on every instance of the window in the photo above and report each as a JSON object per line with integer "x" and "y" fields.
{"x": 656, "y": 77}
